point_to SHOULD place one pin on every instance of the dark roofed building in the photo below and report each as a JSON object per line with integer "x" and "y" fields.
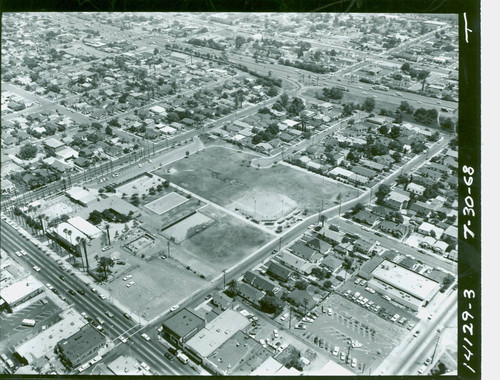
{"x": 331, "y": 262}
{"x": 302, "y": 299}
{"x": 251, "y": 294}
{"x": 302, "y": 250}
{"x": 370, "y": 265}
{"x": 278, "y": 271}
{"x": 260, "y": 282}
{"x": 183, "y": 325}
{"x": 365, "y": 172}
{"x": 81, "y": 346}
{"x": 366, "y": 217}
{"x": 397, "y": 230}
{"x": 408, "y": 263}
{"x": 319, "y": 245}
{"x": 222, "y": 301}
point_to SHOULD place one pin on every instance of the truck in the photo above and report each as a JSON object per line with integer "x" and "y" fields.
{"x": 28, "y": 322}
{"x": 182, "y": 357}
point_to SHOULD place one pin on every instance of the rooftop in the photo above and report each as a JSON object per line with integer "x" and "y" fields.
{"x": 183, "y": 322}
{"x": 406, "y": 280}
{"x": 76, "y": 347}
{"x": 215, "y": 333}
{"x": 20, "y": 289}
{"x": 47, "y": 339}
{"x": 85, "y": 227}
{"x": 125, "y": 365}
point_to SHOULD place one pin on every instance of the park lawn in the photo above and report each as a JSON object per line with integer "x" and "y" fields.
{"x": 223, "y": 176}
{"x": 227, "y": 241}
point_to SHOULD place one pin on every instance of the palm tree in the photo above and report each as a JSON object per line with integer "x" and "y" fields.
{"x": 107, "y": 230}
{"x": 232, "y": 287}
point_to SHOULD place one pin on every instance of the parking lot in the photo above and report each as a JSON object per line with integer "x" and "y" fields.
{"x": 342, "y": 323}
{"x": 13, "y": 333}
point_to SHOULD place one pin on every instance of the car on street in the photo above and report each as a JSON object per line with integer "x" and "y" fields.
{"x": 81, "y": 291}
{"x": 72, "y": 292}
{"x": 145, "y": 366}
{"x": 130, "y": 284}
{"x": 37, "y": 268}
{"x": 109, "y": 314}
{"x": 127, "y": 277}
{"x": 169, "y": 356}
{"x": 428, "y": 361}
{"x": 102, "y": 296}
{"x": 123, "y": 339}
{"x": 416, "y": 333}
{"x": 342, "y": 356}
{"x": 430, "y": 316}
{"x": 146, "y": 337}
{"x": 23, "y": 252}
{"x": 49, "y": 286}
{"x": 422, "y": 369}
{"x": 18, "y": 253}
{"x": 99, "y": 327}
{"x": 174, "y": 308}
{"x": 126, "y": 315}
{"x": 62, "y": 278}
{"x": 354, "y": 362}
{"x": 275, "y": 333}
{"x": 284, "y": 316}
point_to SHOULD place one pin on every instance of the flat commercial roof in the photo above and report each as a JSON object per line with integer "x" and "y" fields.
{"x": 406, "y": 280}
{"x": 20, "y": 289}
{"x": 126, "y": 365}
{"x": 215, "y": 333}
{"x": 80, "y": 343}
{"x": 183, "y": 322}
{"x": 75, "y": 232}
{"x": 45, "y": 342}
{"x": 269, "y": 367}
{"x": 87, "y": 228}
{"x": 80, "y": 194}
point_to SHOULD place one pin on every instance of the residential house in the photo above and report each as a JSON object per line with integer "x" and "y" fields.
{"x": 331, "y": 262}
{"x": 296, "y": 263}
{"x": 421, "y": 208}
{"x": 222, "y": 301}
{"x": 318, "y": 245}
{"x": 300, "y": 249}
{"x": 397, "y": 200}
{"x": 415, "y": 189}
{"x": 426, "y": 229}
{"x": 302, "y": 300}
{"x": 330, "y": 236}
{"x": 397, "y": 230}
{"x": 261, "y": 283}
{"x": 365, "y": 217}
{"x": 249, "y": 293}
{"x": 278, "y": 271}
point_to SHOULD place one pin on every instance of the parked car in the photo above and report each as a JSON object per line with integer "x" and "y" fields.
{"x": 146, "y": 337}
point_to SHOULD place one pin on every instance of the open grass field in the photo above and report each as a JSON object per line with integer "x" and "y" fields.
{"x": 179, "y": 231}
{"x": 223, "y": 243}
{"x": 166, "y": 203}
{"x": 222, "y": 176}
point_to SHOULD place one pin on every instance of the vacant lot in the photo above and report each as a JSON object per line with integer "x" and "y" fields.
{"x": 223, "y": 243}
{"x": 139, "y": 185}
{"x": 223, "y": 176}
{"x": 159, "y": 284}
{"x": 166, "y": 203}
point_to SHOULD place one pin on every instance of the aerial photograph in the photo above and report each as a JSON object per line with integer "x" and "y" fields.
{"x": 229, "y": 194}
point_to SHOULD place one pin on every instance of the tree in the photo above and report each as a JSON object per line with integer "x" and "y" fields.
{"x": 446, "y": 123}
{"x": 232, "y": 288}
{"x": 395, "y": 132}
{"x": 239, "y": 42}
{"x": 369, "y": 104}
{"x": 327, "y": 284}
{"x": 27, "y": 151}
{"x": 301, "y": 285}
{"x": 270, "y": 304}
{"x": 382, "y": 192}
{"x": 383, "y": 130}
{"x": 405, "y": 67}
{"x": 434, "y": 136}
{"x": 357, "y": 208}
{"x": 105, "y": 264}
{"x": 109, "y": 131}
{"x": 284, "y": 99}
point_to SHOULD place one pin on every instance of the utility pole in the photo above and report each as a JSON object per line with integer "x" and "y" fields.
{"x": 224, "y": 272}
{"x": 168, "y": 249}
